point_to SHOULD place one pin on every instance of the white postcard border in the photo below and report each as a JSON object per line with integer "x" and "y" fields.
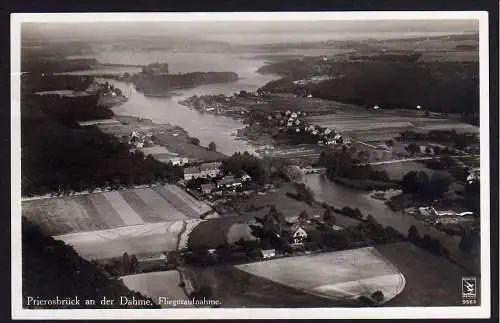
{"x": 482, "y": 311}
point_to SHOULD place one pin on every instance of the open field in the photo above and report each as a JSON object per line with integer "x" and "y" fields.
{"x": 342, "y": 275}
{"x": 144, "y": 238}
{"x": 430, "y": 280}
{"x": 138, "y": 239}
{"x": 234, "y": 287}
{"x": 158, "y": 284}
{"x": 374, "y": 126}
{"x": 113, "y": 209}
{"x": 407, "y": 275}
{"x": 312, "y": 106}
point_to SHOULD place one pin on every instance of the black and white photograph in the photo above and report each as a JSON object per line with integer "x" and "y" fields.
{"x": 230, "y": 165}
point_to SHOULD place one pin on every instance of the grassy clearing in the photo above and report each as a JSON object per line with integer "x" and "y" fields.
{"x": 342, "y": 275}
{"x": 234, "y": 287}
{"x": 144, "y": 238}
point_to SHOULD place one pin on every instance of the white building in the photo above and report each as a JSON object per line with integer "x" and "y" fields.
{"x": 299, "y": 236}
{"x": 269, "y": 253}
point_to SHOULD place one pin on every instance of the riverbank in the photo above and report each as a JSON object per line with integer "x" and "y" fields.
{"x": 175, "y": 141}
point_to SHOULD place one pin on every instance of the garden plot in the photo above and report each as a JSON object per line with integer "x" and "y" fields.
{"x": 342, "y": 275}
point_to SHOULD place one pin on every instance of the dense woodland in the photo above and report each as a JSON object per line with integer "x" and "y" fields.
{"x": 58, "y": 156}
{"x": 53, "y": 269}
{"x": 447, "y": 87}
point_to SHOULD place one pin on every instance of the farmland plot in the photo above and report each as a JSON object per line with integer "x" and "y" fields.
{"x": 342, "y": 275}
{"x": 137, "y": 239}
{"x": 107, "y": 210}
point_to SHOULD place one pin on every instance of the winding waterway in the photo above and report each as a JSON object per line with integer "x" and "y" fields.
{"x": 220, "y": 130}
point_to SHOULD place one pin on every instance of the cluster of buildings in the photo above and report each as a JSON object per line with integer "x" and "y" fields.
{"x": 205, "y": 170}
{"x": 324, "y": 136}
{"x": 216, "y": 183}
{"x": 313, "y": 80}
{"x": 140, "y": 140}
{"x": 473, "y": 176}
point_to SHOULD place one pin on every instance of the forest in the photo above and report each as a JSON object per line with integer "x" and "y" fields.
{"x": 446, "y": 87}
{"x": 58, "y": 156}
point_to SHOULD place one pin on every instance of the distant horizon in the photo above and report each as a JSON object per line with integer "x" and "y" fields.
{"x": 251, "y": 33}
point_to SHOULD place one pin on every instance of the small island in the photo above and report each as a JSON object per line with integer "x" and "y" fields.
{"x": 156, "y": 80}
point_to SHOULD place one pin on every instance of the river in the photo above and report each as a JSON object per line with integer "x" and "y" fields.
{"x": 220, "y": 130}
{"x": 339, "y": 196}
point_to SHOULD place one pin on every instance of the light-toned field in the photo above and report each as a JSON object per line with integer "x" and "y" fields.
{"x": 113, "y": 209}
{"x": 341, "y": 275}
{"x": 137, "y": 239}
{"x": 158, "y": 284}
{"x": 371, "y": 125}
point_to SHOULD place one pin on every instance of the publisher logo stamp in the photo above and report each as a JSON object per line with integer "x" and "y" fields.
{"x": 469, "y": 291}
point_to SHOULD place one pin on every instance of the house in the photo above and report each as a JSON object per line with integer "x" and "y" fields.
{"x": 208, "y": 188}
{"x": 178, "y": 161}
{"x": 268, "y": 253}
{"x": 294, "y": 115}
{"x": 376, "y": 107}
{"x": 229, "y": 182}
{"x": 327, "y": 131}
{"x": 299, "y": 236}
{"x": 289, "y": 123}
{"x": 210, "y": 169}
{"x": 297, "y": 130}
{"x": 245, "y": 178}
{"x": 192, "y": 173}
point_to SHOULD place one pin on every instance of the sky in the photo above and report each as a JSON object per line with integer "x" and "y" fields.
{"x": 255, "y": 32}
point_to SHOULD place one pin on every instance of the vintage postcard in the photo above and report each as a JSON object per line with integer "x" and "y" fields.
{"x": 250, "y": 165}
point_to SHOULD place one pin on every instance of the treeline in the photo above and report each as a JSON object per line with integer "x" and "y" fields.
{"x": 58, "y": 156}
{"x": 458, "y": 140}
{"x": 69, "y": 110}
{"x": 51, "y": 269}
{"x": 390, "y": 57}
{"x": 446, "y": 87}
{"x": 57, "y": 65}
{"x": 159, "y": 83}
{"x": 48, "y": 82}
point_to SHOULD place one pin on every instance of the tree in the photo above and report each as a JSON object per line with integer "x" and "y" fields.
{"x": 428, "y": 150}
{"x": 212, "y": 146}
{"x": 413, "y": 234}
{"x": 134, "y": 264}
{"x": 438, "y": 185}
{"x": 303, "y": 217}
{"x": 378, "y": 296}
{"x": 126, "y": 263}
{"x": 413, "y": 148}
{"x": 389, "y": 143}
{"x": 194, "y": 141}
{"x": 329, "y": 217}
